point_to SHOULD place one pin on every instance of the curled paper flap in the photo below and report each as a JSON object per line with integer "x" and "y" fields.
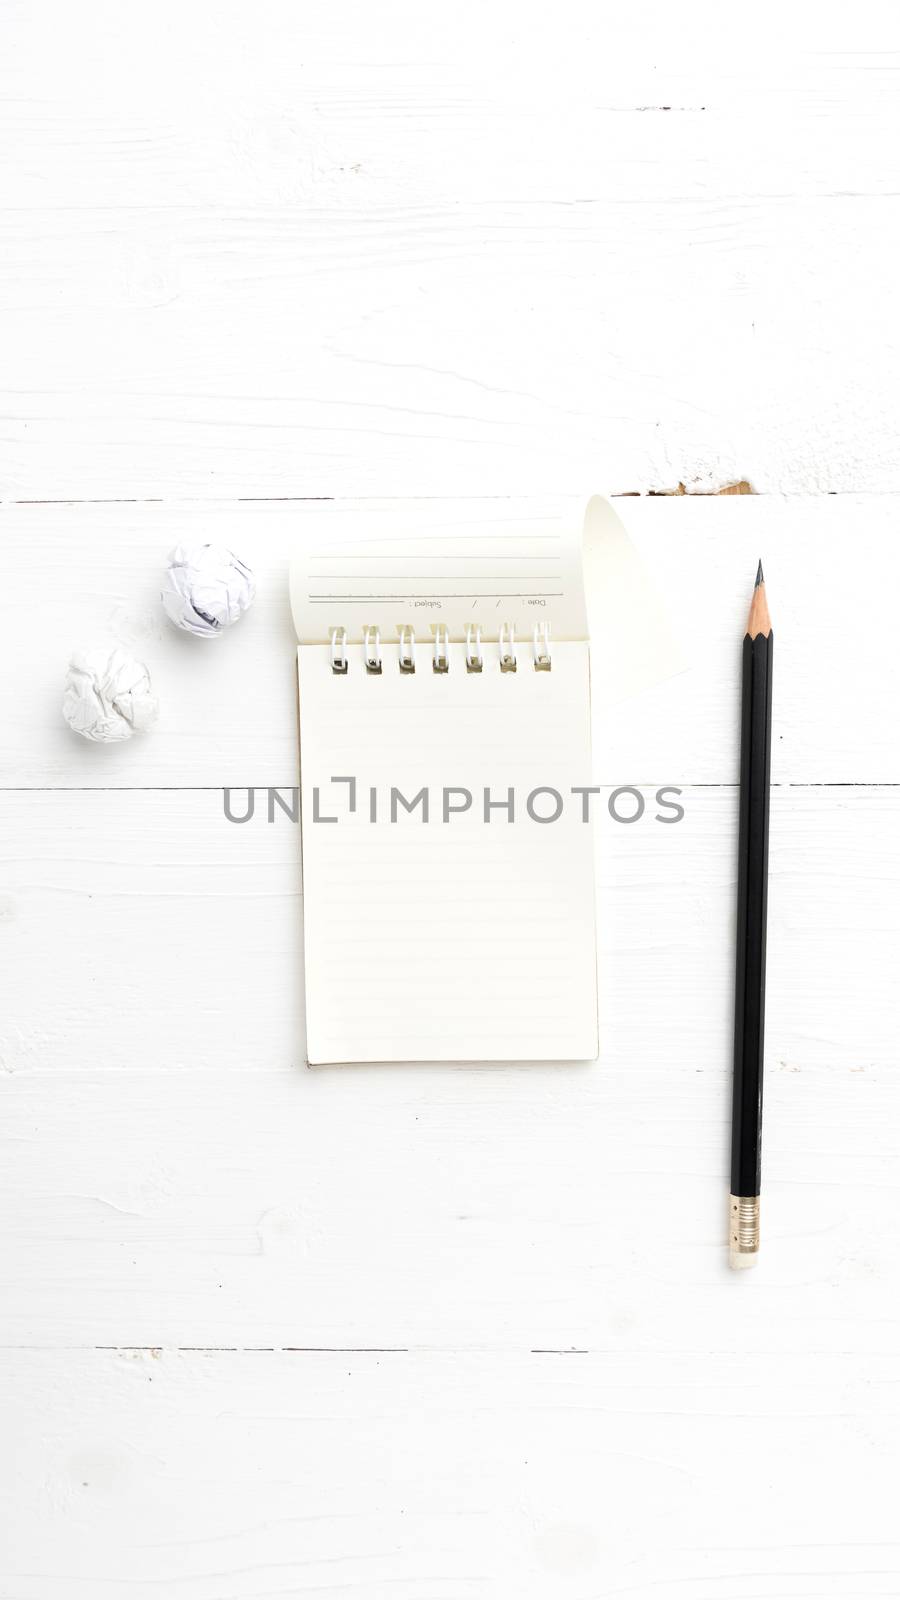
{"x": 633, "y": 643}
{"x": 568, "y": 566}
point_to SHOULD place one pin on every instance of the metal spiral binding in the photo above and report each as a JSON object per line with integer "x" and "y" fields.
{"x": 508, "y": 661}
{"x": 372, "y": 648}
{"x": 338, "y": 638}
{"x": 542, "y": 661}
{"x": 441, "y": 662}
{"x": 407, "y": 653}
{"x": 474, "y": 658}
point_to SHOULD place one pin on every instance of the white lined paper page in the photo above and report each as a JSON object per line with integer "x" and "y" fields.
{"x": 458, "y": 940}
{"x": 420, "y": 564}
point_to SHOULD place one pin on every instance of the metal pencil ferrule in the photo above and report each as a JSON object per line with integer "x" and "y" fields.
{"x": 743, "y": 1230}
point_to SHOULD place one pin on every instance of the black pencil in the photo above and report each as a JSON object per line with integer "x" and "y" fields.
{"x": 752, "y": 895}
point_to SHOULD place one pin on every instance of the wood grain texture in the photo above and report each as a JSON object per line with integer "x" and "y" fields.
{"x": 427, "y": 1334}
{"x": 211, "y": 1191}
{"x": 305, "y": 253}
{"x": 208, "y": 1477}
{"x": 89, "y": 573}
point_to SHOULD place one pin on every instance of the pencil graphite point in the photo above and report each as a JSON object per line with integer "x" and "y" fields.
{"x": 759, "y": 620}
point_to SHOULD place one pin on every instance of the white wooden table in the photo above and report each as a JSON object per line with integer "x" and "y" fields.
{"x": 417, "y": 1333}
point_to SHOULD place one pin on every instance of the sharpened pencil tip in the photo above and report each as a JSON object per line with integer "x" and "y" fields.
{"x": 759, "y": 620}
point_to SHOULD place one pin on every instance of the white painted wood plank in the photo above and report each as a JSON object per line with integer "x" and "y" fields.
{"x": 348, "y": 250}
{"x": 486, "y": 350}
{"x": 126, "y": 897}
{"x": 208, "y": 1477}
{"x": 74, "y": 575}
{"x": 230, "y": 116}
{"x": 338, "y": 251}
{"x": 209, "y": 1190}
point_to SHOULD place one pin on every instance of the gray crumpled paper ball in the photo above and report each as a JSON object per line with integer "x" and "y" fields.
{"x": 107, "y": 695}
{"x": 206, "y": 589}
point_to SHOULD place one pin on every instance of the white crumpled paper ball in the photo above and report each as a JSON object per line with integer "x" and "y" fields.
{"x": 107, "y": 695}
{"x": 206, "y": 588}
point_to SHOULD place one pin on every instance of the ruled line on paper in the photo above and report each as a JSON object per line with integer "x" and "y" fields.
{"x": 445, "y": 574}
{"x": 441, "y": 577}
{"x": 433, "y": 594}
{"x": 381, "y": 539}
{"x": 426, "y": 944}
{"x": 437, "y": 557}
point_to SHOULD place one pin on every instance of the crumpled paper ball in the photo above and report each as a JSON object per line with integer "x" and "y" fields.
{"x": 107, "y": 695}
{"x": 206, "y": 588}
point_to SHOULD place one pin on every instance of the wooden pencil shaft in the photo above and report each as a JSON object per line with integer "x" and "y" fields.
{"x": 753, "y": 864}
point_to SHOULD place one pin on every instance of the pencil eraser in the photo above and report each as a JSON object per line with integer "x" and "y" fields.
{"x": 742, "y": 1258}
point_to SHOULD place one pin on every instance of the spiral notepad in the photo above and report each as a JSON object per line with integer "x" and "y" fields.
{"x": 448, "y": 878}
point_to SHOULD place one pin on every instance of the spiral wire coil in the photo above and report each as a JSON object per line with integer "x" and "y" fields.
{"x": 406, "y": 648}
